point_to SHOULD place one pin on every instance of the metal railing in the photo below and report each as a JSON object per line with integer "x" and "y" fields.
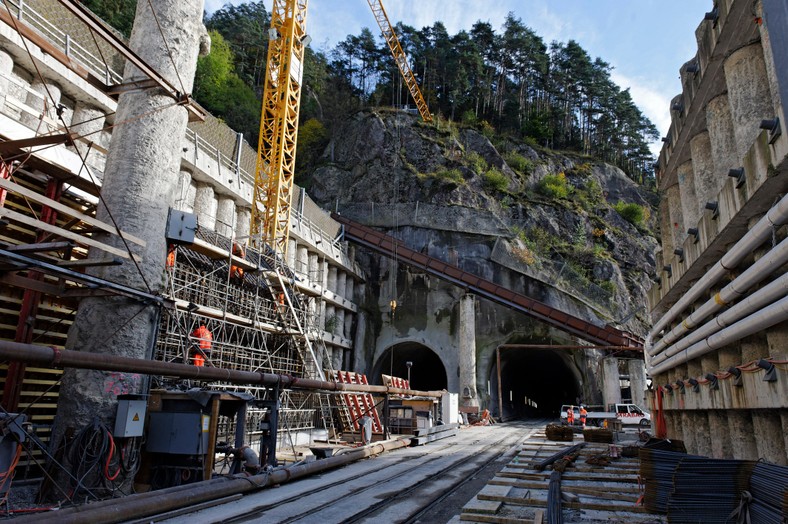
{"x": 226, "y": 164}
{"x": 63, "y": 41}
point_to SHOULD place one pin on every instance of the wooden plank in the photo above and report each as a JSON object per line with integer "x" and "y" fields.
{"x": 494, "y": 519}
{"x": 570, "y": 505}
{"x": 538, "y": 516}
{"x": 4, "y": 212}
{"x": 598, "y": 493}
{"x": 476, "y": 506}
{"x": 41, "y": 199}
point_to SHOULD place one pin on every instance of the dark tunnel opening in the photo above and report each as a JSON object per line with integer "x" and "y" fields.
{"x": 534, "y": 383}
{"x": 426, "y": 372}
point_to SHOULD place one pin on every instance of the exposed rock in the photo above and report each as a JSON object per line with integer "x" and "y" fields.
{"x": 431, "y": 187}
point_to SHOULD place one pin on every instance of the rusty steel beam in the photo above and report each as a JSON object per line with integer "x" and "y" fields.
{"x": 63, "y": 358}
{"x": 95, "y": 25}
{"x": 393, "y": 248}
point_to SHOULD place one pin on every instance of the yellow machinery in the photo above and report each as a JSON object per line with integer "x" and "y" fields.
{"x": 276, "y": 149}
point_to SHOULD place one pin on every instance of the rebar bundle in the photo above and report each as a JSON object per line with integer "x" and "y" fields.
{"x": 708, "y": 490}
{"x": 656, "y": 469}
{"x": 769, "y": 490}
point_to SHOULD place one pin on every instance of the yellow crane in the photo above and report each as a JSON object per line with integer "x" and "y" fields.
{"x": 276, "y": 148}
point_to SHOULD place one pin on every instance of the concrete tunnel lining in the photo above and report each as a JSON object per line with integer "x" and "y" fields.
{"x": 545, "y": 376}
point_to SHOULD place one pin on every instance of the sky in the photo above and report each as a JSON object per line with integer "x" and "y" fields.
{"x": 646, "y": 41}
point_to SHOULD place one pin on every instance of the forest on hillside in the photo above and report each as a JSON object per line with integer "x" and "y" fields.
{"x": 505, "y": 80}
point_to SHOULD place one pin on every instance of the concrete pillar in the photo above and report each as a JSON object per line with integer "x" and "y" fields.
{"x": 690, "y": 207}
{"x": 768, "y": 426}
{"x": 330, "y": 318}
{"x": 721, "y": 446}
{"x": 206, "y": 205}
{"x": 666, "y": 231}
{"x": 341, "y": 283}
{"x": 243, "y": 221}
{"x": 292, "y": 248}
{"x": 350, "y": 287}
{"x": 339, "y": 325}
{"x": 721, "y": 138}
{"x": 771, "y": 64}
{"x": 139, "y": 184}
{"x": 324, "y": 273}
{"x": 6, "y": 66}
{"x": 182, "y": 193}
{"x": 302, "y": 261}
{"x": 466, "y": 342}
{"x": 88, "y": 121}
{"x": 707, "y": 181}
{"x": 741, "y": 431}
{"x": 611, "y": 387}
{"x": 331, "y": 284}
{"x": 337, "y": 355}
{"x": 348, "y": 327}
{"x": 48, "y": 98}
{"x": 225, "y": 216}
{"x": 358, "y": 340}
{"x": 677, "y": 230}
{"x": 748, "y": 92}
{"x": 314, "y": 268}
{"x": 637, "y": 382}
{"x": 688, "y": 430}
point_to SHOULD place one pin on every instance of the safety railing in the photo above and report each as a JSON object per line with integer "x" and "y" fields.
{"x": 63, "y": 41}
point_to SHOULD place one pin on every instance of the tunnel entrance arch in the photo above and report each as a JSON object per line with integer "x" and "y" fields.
{"x": 427, "y": 372}
{"x": 534, "y": 382}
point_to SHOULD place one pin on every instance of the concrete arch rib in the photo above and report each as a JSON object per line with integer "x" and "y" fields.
{"x": 534, "y": 383}
{"x": 427, "y": 373}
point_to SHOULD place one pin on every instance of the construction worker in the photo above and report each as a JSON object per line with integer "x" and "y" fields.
{"x": 204, "y": 341}
{"x": 570, "y": 415}
{"x": 237, "y": 272}
{"x": 170, "y": 257}
{"x": 583, "y": 415}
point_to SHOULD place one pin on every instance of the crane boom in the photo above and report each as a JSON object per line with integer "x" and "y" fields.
{"x": 399, "y": 57}
{"x": 276, "y": 148}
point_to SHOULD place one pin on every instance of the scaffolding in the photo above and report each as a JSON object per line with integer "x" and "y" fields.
{"x": 262, "y": 321}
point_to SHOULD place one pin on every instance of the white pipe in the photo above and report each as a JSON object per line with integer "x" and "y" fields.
{"x": 760, "y": 270}
{"x": 776, "y": 216}
{"x": 762, "y": 319}
{"x": 758, "y": 300}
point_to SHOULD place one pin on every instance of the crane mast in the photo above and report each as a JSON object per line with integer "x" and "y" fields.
{"x": 399, "y": 57}
{"x": 276, "y": 149}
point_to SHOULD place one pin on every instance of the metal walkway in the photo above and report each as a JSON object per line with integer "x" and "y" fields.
{"x": 393, "y": 248}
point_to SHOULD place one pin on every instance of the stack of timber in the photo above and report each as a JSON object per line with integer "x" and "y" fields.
{"x": 559, "y": 433}
{"x": 604, "y": 436}
{"x": 520, "y": 494}
{"x": 424, "y": 436}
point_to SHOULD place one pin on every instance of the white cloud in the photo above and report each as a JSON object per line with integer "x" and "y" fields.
{"x": 654, "y": 103}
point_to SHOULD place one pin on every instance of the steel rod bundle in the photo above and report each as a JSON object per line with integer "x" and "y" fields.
{"x": 566, "y": 451}
{"x": 656, "y": 470}
{"x": 708, "y": 490}
{"x": 554, "y": 514}
{"x": 769, "y": 490}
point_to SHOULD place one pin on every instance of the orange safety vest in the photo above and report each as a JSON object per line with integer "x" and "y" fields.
{"x": 199, "y": 360}
{"x": 237, "y": 272}
{"x": 170, "y": 256}
{"x": 204, "y": 336}
{"x": 570, "y": 415}
{"x": 583, "y": 414}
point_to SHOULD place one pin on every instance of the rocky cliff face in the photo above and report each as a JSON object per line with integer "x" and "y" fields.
{"x": 565, "y": 229}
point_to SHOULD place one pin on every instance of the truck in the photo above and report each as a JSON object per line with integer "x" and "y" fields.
{"x": 626, "y": 413}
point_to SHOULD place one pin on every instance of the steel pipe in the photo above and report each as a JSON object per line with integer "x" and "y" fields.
{"x": 57, "y": 358}
{"x": 141, "y": 505}
{"x": 776, "y": 216}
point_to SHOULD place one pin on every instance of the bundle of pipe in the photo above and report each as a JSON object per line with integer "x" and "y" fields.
{"x": 769, "y": 490}
{"x": 708, "y": 490}
{"x": 554, "y": 512}
{"x": 656, "y": 471}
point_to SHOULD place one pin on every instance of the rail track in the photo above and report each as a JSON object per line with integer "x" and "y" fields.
{"x": 419, "y": 484}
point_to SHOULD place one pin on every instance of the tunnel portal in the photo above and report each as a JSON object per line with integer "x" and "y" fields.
{"x": 534, "y": 383}
{"x": 427, "y": 372}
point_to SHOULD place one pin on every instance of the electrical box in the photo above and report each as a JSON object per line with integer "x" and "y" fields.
{"x": 178, "y": 433}
{"x": 450, "y": 408}
{"x": 181, "y": 227}
{"x": 130, "y": 419}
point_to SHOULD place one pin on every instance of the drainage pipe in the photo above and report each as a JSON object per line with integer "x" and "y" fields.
{"x": 59, "y": 358}
{"x": 758, "y": 300}
{"x": 141, "y": 505}
{"x": 757, "y": 272}
{"x": 757, "y": 235}
{"x": 758, "y": 321}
